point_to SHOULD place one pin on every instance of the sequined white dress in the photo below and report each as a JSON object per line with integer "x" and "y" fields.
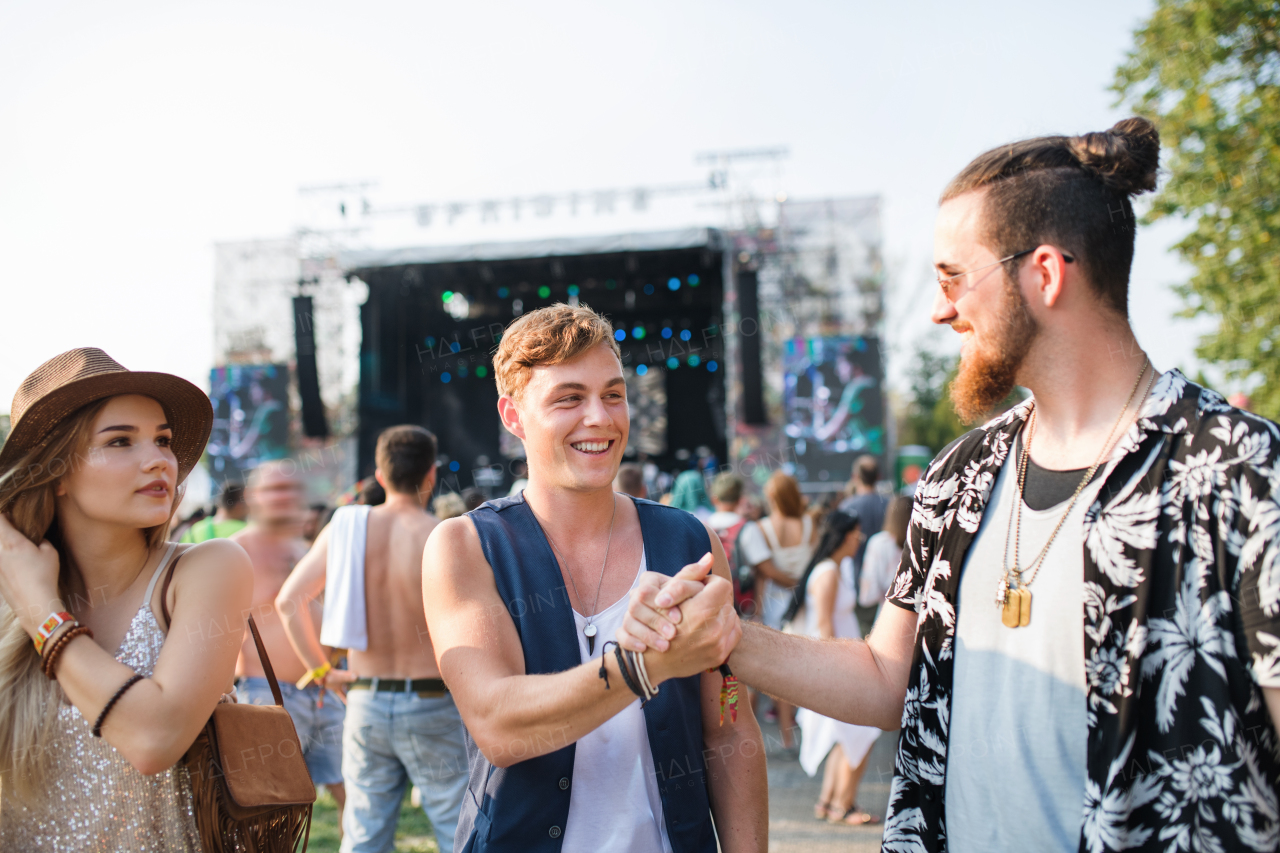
{"x": 95, "y": 800}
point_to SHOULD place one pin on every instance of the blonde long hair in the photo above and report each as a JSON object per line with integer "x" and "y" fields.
{"x": 28, "y": 714}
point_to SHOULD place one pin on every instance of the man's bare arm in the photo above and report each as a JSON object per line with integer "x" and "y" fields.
{"x": 301, "y": 590}
{"x": 736, "y": 775}
{"x": 513, "y": 716}
{"x": 850, "y": 680}
{"x": 861, "y": 682}
{"x": 1272, "y": 695}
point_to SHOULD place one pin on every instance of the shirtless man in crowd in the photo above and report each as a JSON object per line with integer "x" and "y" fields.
{"x": 402, "y": 724}
{"x": 273, "y": 540}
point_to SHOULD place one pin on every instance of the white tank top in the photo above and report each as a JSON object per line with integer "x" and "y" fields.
{"x": 614, "y": 804}
{"x": 793, "y": 558}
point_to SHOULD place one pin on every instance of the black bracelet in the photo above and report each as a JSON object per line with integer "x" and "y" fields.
{"x": 97, "y": 725}
{"x": 604, "y": 670}
{"x": 626, "y": 675}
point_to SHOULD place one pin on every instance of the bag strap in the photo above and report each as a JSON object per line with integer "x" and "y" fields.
{"x": 266, "y": 663}
{"x": 253, "y": 629}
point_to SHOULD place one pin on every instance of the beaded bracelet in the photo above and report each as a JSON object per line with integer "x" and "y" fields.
{"x": 49, "y": 662}
{"x": 97, "y": 724}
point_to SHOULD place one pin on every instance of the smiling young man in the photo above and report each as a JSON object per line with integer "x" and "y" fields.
{"x": 1084, "y": 647}
{"x": 521, "y": 596}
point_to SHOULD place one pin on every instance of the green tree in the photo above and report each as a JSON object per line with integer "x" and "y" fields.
{"x": 930, "y": 418}
{"x": 1207, "y": 72}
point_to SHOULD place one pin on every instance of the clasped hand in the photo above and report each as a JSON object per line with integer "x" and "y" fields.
{"x": 688, "y": 618}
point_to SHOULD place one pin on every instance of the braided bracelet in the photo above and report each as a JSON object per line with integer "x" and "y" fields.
{"x": 646, "y": 691}
{"x": 97, "y": 724}
{"x": 626, "y": 673}
{"x": 49, "y": 662}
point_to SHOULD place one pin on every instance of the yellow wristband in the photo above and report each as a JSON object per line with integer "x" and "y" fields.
{"x": 314, "y": 675}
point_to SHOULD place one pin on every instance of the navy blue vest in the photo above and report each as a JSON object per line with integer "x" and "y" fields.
{"x": 524, "y": 807}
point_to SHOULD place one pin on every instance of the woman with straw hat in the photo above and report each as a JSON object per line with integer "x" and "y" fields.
{"x": 108, "y": 676}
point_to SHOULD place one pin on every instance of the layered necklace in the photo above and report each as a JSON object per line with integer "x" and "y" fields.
{"x": 589, "y": 630}
{"x": 1013, "y": 593}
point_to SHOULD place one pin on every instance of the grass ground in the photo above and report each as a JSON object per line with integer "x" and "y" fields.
{"x": 413, "y": 833}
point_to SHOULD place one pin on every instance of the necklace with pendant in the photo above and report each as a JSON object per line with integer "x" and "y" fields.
{"x": 1013, "y": 593}
{"x": 589, "y": 630}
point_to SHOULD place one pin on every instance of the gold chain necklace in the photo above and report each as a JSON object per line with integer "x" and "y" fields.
{"x": 1013, "y": 593}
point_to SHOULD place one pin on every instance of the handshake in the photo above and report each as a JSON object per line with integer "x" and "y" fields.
{"x": 686, "y": 621}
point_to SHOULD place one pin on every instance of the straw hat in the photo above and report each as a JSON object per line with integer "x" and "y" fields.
{"x": 68, "y": 382}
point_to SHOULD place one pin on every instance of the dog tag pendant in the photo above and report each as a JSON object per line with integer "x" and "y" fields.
{"x": 1024, "y": 607}
{"x": 590, "y": 632}
{"x": 1010, "y": 612}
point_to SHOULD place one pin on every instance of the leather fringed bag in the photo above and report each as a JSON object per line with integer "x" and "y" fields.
{"x": 249, "y": 780}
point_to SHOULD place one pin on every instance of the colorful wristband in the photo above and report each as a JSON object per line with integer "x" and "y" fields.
{"x": 55, "y": 621}
{"x": 314, "y": 675}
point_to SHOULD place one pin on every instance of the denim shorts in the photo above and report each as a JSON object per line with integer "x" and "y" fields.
{"x": 319, "y": 729}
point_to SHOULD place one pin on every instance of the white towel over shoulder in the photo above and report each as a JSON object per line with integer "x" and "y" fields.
{"x": 345, "y": 625}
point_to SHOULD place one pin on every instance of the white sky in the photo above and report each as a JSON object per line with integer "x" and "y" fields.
{"x": 133, "y": 136}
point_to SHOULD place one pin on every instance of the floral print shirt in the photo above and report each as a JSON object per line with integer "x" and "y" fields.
{"x": 1182, "y": 628}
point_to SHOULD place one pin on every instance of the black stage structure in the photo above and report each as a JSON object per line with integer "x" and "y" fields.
{"x": 434, "y": 316}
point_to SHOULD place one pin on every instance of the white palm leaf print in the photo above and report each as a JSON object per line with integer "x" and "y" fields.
{"x": 1107, "y": 814}
{"x": 1192, "y": 633}
{"x": 1129, "y": 521}
{"x": 1263, "y": 547}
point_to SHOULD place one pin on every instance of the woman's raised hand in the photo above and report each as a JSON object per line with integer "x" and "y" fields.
{"x": 28, "y": 576}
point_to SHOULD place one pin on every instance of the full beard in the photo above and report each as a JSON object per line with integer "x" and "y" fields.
{"x": 989, "y": 369}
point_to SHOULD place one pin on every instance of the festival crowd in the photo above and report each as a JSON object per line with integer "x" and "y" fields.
{"x": 573, "y": 666}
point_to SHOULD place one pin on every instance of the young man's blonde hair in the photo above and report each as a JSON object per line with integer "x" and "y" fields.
{"x": 551, "y": 335}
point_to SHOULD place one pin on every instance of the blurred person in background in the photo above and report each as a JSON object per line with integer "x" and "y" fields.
{"x": 778, "y": 547}
{"x": 881, "y": 559}
{"x": 371, "y": 492}
{"x": 473, "y": 498}
{"x": 227, "y": 519}
{"x": 448, "y": 505}
{"x": 826, "y": 607}
{"x": 86, "y": 500}
{"x": 314, "y": 521}
{"x": 689, "y": 493}
{"x": 180, "y": 530}
{"x": 869, "y": 505}
{"x": 630, "y": 481}
{"x": 751, "y": 507}
{"x": 726, "y": 494}
{"x": 402, "y": 725}
{"x": 274, "y": 542}
{"x": 519, "y": 470}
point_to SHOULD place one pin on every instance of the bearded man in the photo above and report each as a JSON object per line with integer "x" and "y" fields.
{"x": 1083, "y": 651}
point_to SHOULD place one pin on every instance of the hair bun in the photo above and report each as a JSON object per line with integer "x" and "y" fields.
{"x": 1125, "y": 157}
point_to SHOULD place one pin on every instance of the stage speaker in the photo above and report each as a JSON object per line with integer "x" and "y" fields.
{"x": 314, "y": 424}
{"x": 749, "y": 334}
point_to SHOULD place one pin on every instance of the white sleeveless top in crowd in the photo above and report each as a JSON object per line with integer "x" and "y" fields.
{"x": 790, "y": 560}
{"x": 614, "y": 804}
{"x": 821, "y": 733}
